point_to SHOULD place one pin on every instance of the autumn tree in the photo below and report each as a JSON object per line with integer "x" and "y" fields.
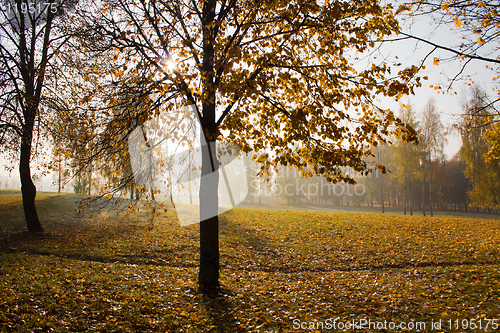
{"x": 482, "y": 172}
{"x": 30, "y": 39}
{"x": 91, "y": 135}
{"x": 382, "y": 165}
{"x": 406, "y": 158}
{"x": 275, "y": 78}
{"x": 433, "y": 140}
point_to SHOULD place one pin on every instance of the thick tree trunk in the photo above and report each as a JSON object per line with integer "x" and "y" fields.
{"x": 209, "y": 226}
{"x": 28, "y": 189}
{"x": 209, "y": 202}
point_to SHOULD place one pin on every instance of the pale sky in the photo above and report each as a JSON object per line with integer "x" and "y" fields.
{"x": 449, "y": 105}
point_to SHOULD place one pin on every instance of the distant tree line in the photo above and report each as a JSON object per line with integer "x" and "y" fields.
{"x": 413, "y": 177}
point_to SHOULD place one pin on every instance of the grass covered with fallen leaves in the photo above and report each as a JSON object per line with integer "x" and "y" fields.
{"x": 103, "y": 272}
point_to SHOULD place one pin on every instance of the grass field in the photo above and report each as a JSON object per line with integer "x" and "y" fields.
{"x": 281, "y": 271}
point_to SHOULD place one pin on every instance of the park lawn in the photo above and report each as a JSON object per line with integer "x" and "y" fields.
{"x": 109, "y": 271}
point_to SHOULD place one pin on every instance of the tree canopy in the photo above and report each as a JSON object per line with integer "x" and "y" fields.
{"x": 276, "y": 73}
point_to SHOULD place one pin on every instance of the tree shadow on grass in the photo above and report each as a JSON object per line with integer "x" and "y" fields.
{"x": 248, "y": 237}
{"x": 138, "y": 260}
{"x": 218, "y": 304}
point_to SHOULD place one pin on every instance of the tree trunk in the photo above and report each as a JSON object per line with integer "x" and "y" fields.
{"x": 260, "y": 192}
{"x": 423, "y": 191}
{"x": 404, "y": 195}
{"x": 381, "y": 191}
{"x": 430, "y": 191}
{"x": 209, "y": 226}
{"x": 208, "y": 278}
{"x": 28, "y": 189}
{"x": 59, "y": 178}
{"x": 409, "y": 198}
{"x": 90, "y": 178}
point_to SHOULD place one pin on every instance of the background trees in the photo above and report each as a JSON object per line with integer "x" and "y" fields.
{"x": 407, "y": 158}
{"x": 432, "y": 137}
{"x": 478, "y": 24}
{"x": 482, "y": 173}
